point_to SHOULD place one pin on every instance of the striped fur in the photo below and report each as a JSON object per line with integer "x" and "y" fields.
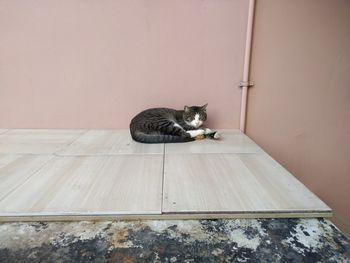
{"x": 163, "y": 125}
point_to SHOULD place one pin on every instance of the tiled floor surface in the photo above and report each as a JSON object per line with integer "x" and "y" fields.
{"x": 86, "y": 174}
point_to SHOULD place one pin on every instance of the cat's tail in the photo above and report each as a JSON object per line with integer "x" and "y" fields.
{"x": 158, "y": 138}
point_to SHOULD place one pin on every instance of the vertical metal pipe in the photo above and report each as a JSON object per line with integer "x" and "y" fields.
{"x": 245, "y": 81}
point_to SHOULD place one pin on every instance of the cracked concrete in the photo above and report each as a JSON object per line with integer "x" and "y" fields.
{"x": 236, "y": 240}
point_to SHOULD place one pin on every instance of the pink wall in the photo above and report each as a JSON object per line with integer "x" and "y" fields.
{"x": 94, "y": 64}
{"x": 299, "y": 109}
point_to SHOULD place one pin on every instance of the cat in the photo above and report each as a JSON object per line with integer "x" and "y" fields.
{"x": 164, "y": 125}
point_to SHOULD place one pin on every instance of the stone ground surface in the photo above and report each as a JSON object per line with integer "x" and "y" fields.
{"x": 237, "y": 240}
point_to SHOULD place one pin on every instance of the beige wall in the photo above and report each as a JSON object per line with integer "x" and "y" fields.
{"x": 95, "y": 64}
{"x": 299, "y": 109}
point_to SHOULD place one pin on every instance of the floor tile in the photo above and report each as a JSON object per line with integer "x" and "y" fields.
{"x": 123, "y": 184}
{"x": 231, "y": 141}
{"x": 209, "y": 183}
{"x": 36, "y": 141}
{"x": 109, "y": 142}
{"x": 17, "y": 169}
{"x": 2, "y": 131}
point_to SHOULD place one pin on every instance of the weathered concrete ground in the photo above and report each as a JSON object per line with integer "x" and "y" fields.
{"x": 239, "y": 240}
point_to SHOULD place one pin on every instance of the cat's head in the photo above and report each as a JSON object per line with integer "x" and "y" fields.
{"x": 195, "y": 115}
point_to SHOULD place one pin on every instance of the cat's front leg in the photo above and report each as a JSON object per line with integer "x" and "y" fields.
{"x": 195, "y": 133}
{"x": 207, "y": 131}
{"x": 212, "y": 134}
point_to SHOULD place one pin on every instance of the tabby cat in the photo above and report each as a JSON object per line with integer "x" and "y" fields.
{"x": 163, "y": 125}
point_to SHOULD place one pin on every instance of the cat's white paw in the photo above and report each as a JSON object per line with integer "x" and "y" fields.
{"x": 196, "y": 133}
{"x": 207, "y": 131}
{"x": 217, "y": 135}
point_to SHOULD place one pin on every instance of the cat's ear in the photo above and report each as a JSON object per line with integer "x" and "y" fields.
{"x": 204, "y": 107}
{"x": 186, "y": 109}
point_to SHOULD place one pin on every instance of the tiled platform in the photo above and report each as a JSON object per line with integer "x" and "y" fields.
{"x": 103, "y": 174}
